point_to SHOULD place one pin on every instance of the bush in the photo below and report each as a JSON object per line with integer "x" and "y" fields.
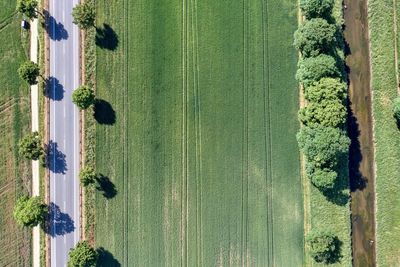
{"x": 29, "y": 71}
{"x": 396, "y": 109}
{"x": 30, "y": 146}
{"x": 326, "y": 89}
{"x": 83, "y": 255}
{"x": 323, "y": 146}
{"x": 324, "y": 246}
{"x": 329, "y": 113}
{"x": 84, "y": 15}
{"x": 316, "y": 8}
{"x": 313, "y": 69}
{"x": 314, "y": 37}
{"x": 323, "y": 179}
{"x": 30, "y": 211}
{"x": 83, "y": 97}
{"x": 87, "y": 176}
{"x": 27, "y": 8}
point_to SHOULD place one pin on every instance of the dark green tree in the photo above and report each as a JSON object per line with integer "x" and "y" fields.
{"x": 323, "y": 146}
{"x": 324, "y": 246}
{"x": 316, "y": 8}
{"x": 83, "y": 97}
{"x": 28, "y": 8}
{"x": 326, "y": 89}
{"x": 329, "y": 113}
{"x": 84, "y": 15}
{"x": 30, "y": 211}
{"x": 31, "y": 147}
{"x": 396, "y": 109}
{"x": 323, "y": 179}
{"x": 313, "y": 69}
{"x": 87, "y": 176}
{"x": 29, "y": 71}
{"x": 314, "y": 37}
{"x": 83, "y": 255}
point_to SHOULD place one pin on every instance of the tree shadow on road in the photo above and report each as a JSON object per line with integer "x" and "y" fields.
{"x": 105, "y": 185}
{"x": 104, "y": 112}
{"x": 59, "y": 223}
{"x": 55, "y": 31}
{"x": 106, "y": 259}
{"x": 106, "y": 37}
{"x": 54, "y": 90}
{"x": 55, "y": 158}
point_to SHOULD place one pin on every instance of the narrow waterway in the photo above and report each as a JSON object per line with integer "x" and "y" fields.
{"x": 360, "y": 131}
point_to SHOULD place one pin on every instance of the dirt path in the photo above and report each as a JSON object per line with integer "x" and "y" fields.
{"x": 360, "y": 130}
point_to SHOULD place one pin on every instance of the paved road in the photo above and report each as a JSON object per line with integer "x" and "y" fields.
{"x": 64, "y": 130}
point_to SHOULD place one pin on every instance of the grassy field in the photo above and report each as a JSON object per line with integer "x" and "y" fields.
{"x": 14, "y": 120}
{"x": 387, "y": 136}
{"x": 196, "y": 135}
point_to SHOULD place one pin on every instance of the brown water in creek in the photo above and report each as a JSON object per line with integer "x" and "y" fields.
{"x": 360, "y": 131}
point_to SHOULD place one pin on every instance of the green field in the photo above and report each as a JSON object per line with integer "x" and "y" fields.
{"x": 202, "y": 153}
{"x": 387, "y": 135}
{"x": 14, "y": 120}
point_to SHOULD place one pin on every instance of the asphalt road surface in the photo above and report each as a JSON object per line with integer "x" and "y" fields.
{"x": 64, "y": 130}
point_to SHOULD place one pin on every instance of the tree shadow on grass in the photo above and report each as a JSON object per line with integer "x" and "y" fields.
{"x": 106, "y": 37}
{"x": 55, "y": 158}
{"x": 106, "y": 259}
{"x": 59, "y": 223}
{"x": 53, "y": 89}
{"x": 104, "y": 112}
{"x": 107, "y": 187}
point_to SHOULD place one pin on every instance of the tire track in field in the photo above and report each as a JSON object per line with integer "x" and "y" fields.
{"x": 267, "y": 126}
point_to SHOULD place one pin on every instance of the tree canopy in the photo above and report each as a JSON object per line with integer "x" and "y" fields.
{"x": 314, "y": 37}
{"x": 30, "y": 211}
{"x": 84, "y": 15}
{"x": 316, "y": 8}
{"x": 329, "y": 113}
{"x": 87, "y": 176}
{"x": 83, "y": 255}
{"x": 313, "y": 69}
{"x": 323, "y": 179}
{"x": 29, "y": 71}
{"x": 323, "y": 146}
{"x": 326, "y": 89}
{"x": 396, "y": 109}
{"x": 324, "y": 246}
{"x": 27, "y": 8}
{"x": 83, "y": 97}
{"x": 30, "y": 146}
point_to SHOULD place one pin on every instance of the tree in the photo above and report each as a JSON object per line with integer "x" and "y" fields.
{"x": 30, "y": 211}
{"x": 323, "y": 179}
{"x": 314, "y": 37}
{"x": 87, "y": 176}
{"x": 313, "y": 69}
{"x": 326, "y": 89}
{"x": 324, "y": 246}
{"x": 316, "y": 8}
{"x": 30, "y": 146}
{"x": 84, "y": 15}
{"x": 29, "y": 71}
{"x": 28, "y": 8}
{"x": 396, "y": 109}
{"x": 323, "y": 146}
{"x": 83, "y": 255}
{"x": 329, "y": 113}
{"x": 83, "y": 97}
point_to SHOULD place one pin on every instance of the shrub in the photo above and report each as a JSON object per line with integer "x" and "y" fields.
{"x": 83, "y": 97}
{"x": 323, "y": 146}
{"x": 30, "y": 211}
{"x": 324, "y": 246}
{"x": 313, "y": 69}
{"x": 316, "y": 8}
{"x": 396, "y": 109}
{"x": 84, "y": 15}
{"x": 30, "y": 146}
{"x": 323, "y": 179}
{"x": 83, "y": 255}
{"x": 29, "y": 71}
{"x": 87, "y": 176}
{"x": 314, "y": 37}
{"x": 326, "y": 89}
{"x": 329, "y": 113}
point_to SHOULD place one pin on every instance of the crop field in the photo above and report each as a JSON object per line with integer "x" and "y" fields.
{"x": 196, "y": 129}
{"x": 384, "y": 47}
{"x": 14, "y": 119}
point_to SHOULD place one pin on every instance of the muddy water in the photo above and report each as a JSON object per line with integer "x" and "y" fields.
{"x": 360, "y": 130}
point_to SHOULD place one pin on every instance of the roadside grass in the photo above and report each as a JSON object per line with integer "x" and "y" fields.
{"x": 14, "y": 113}
{"x": 387, "y": 135}
{"x": 195, "y": 134}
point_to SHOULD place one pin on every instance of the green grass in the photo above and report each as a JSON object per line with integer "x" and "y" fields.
{"x": 14, "y": 114}
{"x": 203, "y": 152}
{"x": 387, "y": 136}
